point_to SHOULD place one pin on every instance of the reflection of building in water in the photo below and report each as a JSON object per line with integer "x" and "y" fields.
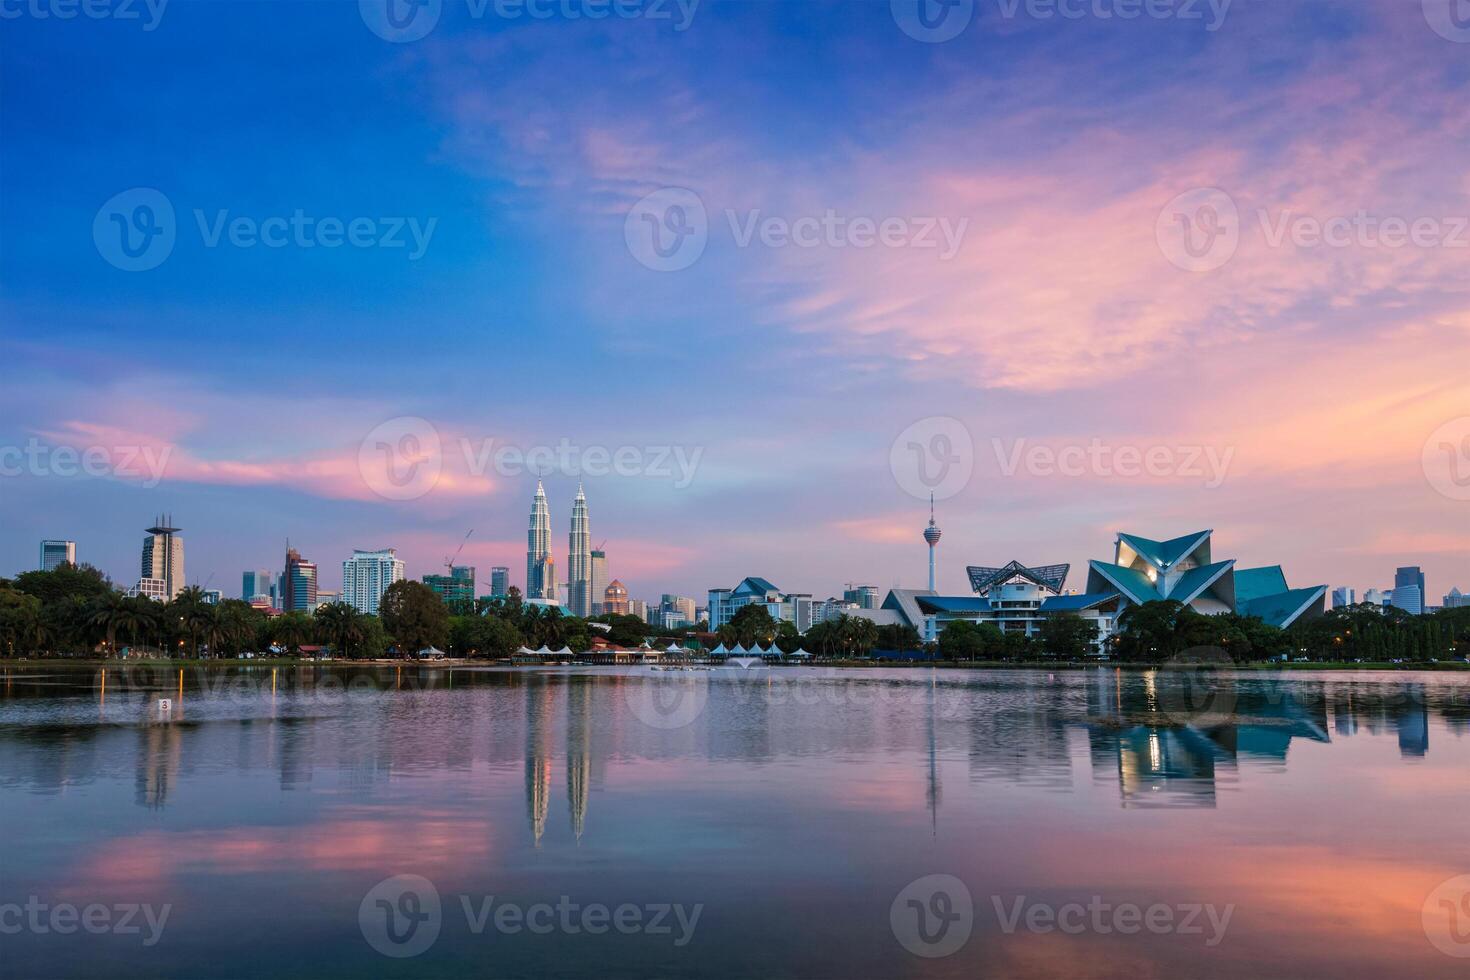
{"x": 538, "y": 754}
{"x": 934, "y": 792}
{"x": 1413, "y": 724}
{"x": 1159, "y": 767}
{"x": 158, "y": 763}
{"x": 579, "y": 752}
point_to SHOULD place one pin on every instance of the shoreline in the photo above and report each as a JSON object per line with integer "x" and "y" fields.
{"x": 93, "y": 663}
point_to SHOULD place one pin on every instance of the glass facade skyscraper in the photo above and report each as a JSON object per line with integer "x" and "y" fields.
{"x": 540, "y": 569}
{"x": 579, "y": 559}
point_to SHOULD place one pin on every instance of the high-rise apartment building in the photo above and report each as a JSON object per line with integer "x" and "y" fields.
{"x": 1455, "y": 599}
{"x": 599, "y": 581}
{"x": 54, "y": 552}
{"x": 1377, "y": 597}
{"x": 540, "y": 569}
{"x": 499, "y": 582}
{"x": 639, "y": 608}
{"x": 163, "y": 556}
{"x": 297, "y": 588}
{"x": 579, "y": 559}
{"x": 367, "y": 575}
{"x": 862, "y": 596}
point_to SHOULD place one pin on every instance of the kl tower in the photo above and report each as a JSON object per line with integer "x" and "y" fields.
{"x": 931, "y": 535}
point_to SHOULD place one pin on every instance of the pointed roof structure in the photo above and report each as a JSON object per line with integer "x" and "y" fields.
{"x": 984, "y": 578}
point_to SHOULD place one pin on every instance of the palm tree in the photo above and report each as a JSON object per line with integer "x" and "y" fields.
{"x": 291, "y": 630}
{"x": 107, "y": 614}
{"x": 862, "y": 634}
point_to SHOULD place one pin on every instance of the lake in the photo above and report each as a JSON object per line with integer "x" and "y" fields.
{"x": 789, "y": 822}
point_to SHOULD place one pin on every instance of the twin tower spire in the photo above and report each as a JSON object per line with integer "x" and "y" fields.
{"x": 541, "y": 567}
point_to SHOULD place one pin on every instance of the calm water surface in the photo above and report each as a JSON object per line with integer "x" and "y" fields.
{"x": 785, "y": 813}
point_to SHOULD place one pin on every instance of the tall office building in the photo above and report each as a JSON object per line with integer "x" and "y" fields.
{"x": 297, "y": 588}
{"x": 1455, "y": 599}
{"x": 457, "y": 589}
{"x": 499, "y": 582}
{"x": 639, "y": 608}
{"x": 540, "y": 570}
{"x": 1409, "y": 599}
{"x": 256, "y": 582}
{"x": 599, "y": 581}
{"x": 367, "y": 575}
{"x": 163, "y": 556}
{"x": 863, "y": 596}
{"x": 1343, "y": 596}
{"x": 1409, "y": 576}
{"x": 1377, "y": 597}
{"x": 55, "y": 553}
{"x": 579, "y": 559}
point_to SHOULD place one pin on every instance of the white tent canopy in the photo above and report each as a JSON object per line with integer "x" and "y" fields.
{"x": 719, "y": 651}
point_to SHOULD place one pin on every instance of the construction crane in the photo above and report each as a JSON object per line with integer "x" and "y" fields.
{"x": 449, "y": 561}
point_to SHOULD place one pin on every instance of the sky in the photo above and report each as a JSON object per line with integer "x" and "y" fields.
{"x": 762, "y": 274}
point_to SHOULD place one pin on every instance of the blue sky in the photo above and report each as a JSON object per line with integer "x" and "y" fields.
{"x": 1061, "y": 320}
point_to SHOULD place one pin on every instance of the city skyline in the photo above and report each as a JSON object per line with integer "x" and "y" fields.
{"x": 1058, "y": 321}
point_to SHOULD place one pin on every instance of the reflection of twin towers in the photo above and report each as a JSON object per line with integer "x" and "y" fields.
{"x": 540, "y": 719}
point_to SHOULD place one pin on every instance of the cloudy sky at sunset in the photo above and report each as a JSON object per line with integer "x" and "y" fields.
{"x": 1131, "y": 273}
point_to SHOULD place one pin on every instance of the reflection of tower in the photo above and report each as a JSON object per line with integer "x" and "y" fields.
{"x": 540, "y": 571}
{"x": 538, "y": 756}
{"x": 931, "y": 535}
{"x": 579, "y": 752}
{"x": 934, "y": 793}
{"x": 158, "y": 764}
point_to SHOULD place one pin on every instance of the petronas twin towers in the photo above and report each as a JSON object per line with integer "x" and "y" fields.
{"x": 541, "y": 568}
